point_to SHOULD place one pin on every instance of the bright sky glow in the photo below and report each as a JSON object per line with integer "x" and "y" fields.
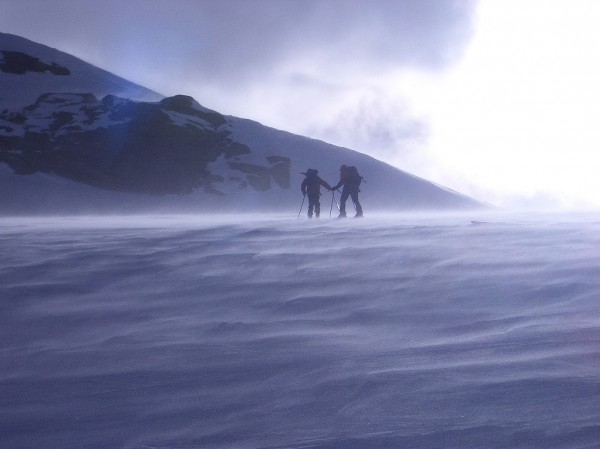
{"x": 516, "y": 122}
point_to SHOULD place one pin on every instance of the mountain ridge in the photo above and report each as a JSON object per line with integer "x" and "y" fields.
{"x": 18, "y": 91}
{"x": 168, "y": 149}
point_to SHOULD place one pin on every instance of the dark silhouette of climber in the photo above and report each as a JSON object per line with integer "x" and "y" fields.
{"x": 311, "y": 187}
{"x": 350, "y": 179}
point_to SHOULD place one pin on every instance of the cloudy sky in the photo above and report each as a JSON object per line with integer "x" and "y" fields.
{"x": 495, "y": 98}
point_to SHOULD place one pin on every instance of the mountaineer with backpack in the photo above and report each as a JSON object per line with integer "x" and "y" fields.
{"x": 311, "y": 186}
{"x": 350, "y": 179}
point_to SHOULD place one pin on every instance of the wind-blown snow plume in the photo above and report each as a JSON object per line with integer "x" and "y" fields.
{"x": 454, "y": 332}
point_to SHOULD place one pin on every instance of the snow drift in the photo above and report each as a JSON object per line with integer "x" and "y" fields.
{"x": 403, "y": 332}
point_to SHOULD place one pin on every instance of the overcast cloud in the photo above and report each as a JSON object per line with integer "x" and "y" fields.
{"x": 245, "y": 41}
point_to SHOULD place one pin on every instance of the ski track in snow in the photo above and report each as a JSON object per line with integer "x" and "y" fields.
{"x": 389, "y": 332}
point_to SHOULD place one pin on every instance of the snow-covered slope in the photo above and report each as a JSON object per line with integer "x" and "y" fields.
{"x": 397, "y": 332}
{"x": 29, "y": 69}
{"x": 63, "y": 120}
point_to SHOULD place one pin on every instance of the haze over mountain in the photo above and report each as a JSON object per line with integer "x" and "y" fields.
{"x": 76, "y": 138}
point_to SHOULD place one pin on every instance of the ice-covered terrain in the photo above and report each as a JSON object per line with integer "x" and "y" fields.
{"x": 275, "y": 332}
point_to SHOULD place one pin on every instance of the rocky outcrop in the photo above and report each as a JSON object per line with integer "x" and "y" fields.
{"x": 259, "y": 177}
{"x": 20, "y": 63}
{"x": 119, "y": 144}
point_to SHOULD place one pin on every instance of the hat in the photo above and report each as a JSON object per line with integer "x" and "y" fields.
{"x": 310, "y": 171}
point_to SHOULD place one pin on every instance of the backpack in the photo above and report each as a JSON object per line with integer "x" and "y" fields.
{"x": 353, "y": 175}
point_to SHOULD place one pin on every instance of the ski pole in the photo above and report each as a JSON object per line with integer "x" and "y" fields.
{"x": 301, "y": 206}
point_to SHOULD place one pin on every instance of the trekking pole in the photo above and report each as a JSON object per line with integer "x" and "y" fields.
{"x": 301, "y": 206}
{"x": 332, "y": 198}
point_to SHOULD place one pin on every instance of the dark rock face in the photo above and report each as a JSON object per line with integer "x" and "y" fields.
{"x": 118, "y": 144}
{"x": 19, "y": 63}
{"x": 259, "y": 177}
